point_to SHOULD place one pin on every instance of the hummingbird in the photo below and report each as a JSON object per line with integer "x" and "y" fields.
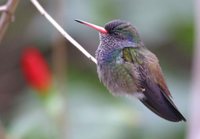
{"x": 127, "y": 68}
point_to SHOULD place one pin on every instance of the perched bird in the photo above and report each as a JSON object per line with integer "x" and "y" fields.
{"x": 127, "y": 67}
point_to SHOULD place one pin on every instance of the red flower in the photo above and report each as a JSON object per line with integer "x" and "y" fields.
{"x": 36, "y": 70}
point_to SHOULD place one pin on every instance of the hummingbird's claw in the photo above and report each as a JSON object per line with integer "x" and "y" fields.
{"x": 143, "y": 89}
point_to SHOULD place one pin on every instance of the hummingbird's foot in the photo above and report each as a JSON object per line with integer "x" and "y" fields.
{"x": 142, "y": 89}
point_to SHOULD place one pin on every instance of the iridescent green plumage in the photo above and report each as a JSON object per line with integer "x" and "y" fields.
{"x": 131, "y": 55}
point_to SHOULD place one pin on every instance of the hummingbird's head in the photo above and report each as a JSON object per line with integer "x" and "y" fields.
{"x": 116, "y": 29}
{"x": 122, "y": 30}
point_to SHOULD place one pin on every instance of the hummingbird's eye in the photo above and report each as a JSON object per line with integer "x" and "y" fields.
{"x": 110, "y": 28}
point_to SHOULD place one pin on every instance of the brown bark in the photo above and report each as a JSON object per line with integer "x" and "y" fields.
{"x": 7, "y": 16}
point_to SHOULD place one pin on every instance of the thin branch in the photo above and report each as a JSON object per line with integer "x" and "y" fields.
{"x": 7, "y": 16}
{"x": 3, "y": 8}
{"x": 62, "y": 31}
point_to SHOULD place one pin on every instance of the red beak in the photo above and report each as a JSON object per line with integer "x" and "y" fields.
{"x": 98, "y": 28}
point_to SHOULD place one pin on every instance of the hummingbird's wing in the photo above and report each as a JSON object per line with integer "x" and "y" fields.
{"x": 157, "y": 75}
{"x": 157, "y": 96}
{"x": 157, "y": 101}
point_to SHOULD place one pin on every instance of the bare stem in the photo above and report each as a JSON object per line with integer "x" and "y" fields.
{"x": 7, "y": 15}
{"x": 62, "y": 31}
{"x": 3, "y": 8}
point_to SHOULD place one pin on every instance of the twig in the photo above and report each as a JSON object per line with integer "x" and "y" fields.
{"x": 62, "y": 31}
{"x": 3, "y": 8}
{"x": 7, "y": 15}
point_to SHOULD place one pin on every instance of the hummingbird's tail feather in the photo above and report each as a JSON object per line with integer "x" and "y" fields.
{"x": 162, "y": 105}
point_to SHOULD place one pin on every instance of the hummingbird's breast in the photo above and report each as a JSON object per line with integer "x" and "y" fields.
{"x": 117, "y": 75}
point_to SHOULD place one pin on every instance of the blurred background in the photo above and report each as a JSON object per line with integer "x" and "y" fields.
{"x": 75, "y": 105}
